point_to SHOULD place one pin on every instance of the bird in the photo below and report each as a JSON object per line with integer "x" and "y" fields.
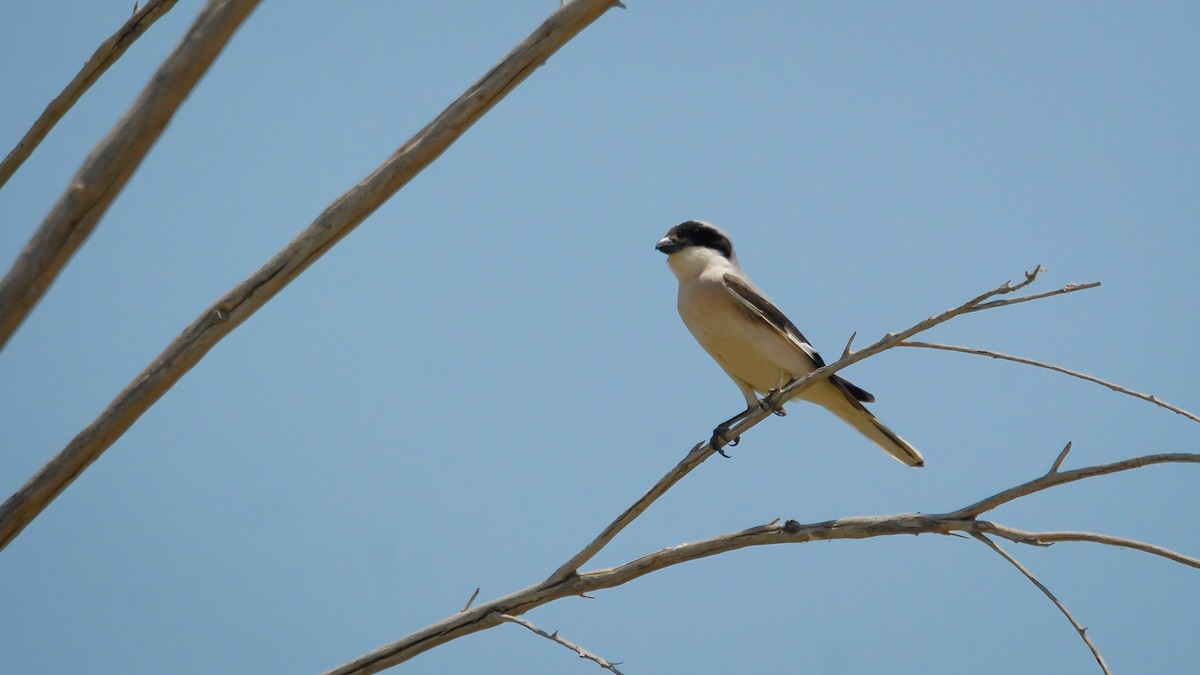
{"x": 756, "y": 345}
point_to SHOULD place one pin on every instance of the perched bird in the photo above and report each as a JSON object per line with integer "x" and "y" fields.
{"x": 755, "y": 344}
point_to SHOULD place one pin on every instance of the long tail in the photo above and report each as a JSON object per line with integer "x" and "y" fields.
{"x": 842, "y": 403}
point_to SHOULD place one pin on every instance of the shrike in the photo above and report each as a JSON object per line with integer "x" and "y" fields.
{"x": 752, "y": 341}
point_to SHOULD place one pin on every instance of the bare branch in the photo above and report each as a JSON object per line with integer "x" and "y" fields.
{"x": 1057, "y": 603}
{"x": 697, "y": 455}
{"x": 105, "y": 55}
{"x": 1058, "y": 369}
{"x": 555, "y": 637}
{"x": 1069, "y": 288}
{"x": 748, "y": 419}
{"x": 334, "y": 223}
{"x": 1059, "y": 478}
{"x": 846, "y": 352}
{"x": 1048, "y": 538}
{"x": 105, "y": 172}
{"x": 471, "y": 601}
{"x": 483, "y": 616}
{"x": 1062, "y": 456}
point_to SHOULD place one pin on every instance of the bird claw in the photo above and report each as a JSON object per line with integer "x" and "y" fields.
{"x": 771, "y": 402}
{"x": 720, "y": 439}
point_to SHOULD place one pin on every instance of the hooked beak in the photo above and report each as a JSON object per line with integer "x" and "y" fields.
{"x": 668, "y": 245}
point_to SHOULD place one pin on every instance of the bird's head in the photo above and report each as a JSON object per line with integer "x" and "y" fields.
{"x": 694, "y": 245}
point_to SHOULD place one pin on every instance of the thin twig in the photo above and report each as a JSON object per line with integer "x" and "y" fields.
{"x": 748, "y": 419}
{"x": 105, "y": 55}
{"x": 471, "y": 601}
{"x": 1050, "y": 480}
{"x": 1047, "y": 538}
{"x": 555, "y": 637}
{"x": 483, "y": 616}
{"x": 1057, "y": 603}
{"x": 697, "y": 455}
{"x": 342, "y": 216}
{"x": 1062, "y": 456}
{"x": 1069, "y": 288}
{"x": 106, "y": 171}
{"x": 846, "y": 352}
{"x": 1058, "y": 369}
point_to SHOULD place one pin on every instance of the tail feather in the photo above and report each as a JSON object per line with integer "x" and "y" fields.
{"x": 843, "y": 404}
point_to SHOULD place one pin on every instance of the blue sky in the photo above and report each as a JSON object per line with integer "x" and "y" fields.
{"x": 488, "y": 370}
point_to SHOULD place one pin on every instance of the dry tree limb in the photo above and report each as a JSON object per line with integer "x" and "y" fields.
{"x": 1069, "y": 288}
{"x": 748, "y": 419}
{"x": 963, "y": 521}
{"x": 1046, "y": 591}
{"x": 1058, "y": 369}
{"x": 1047, "y": 538}
{"x": 555, "y": 637}
{"x": 567, "y": 581}
{"x": 105, "y": 172}
{"x": 342, "y": 216}
{"x": 105, "y": 55}
{"x": 1054, "y": 478}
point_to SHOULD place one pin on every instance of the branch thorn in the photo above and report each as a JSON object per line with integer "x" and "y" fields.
{"x": 846, "y": 352}
{"x": 1061, "y": 456}
{"x": 471, "y": 601}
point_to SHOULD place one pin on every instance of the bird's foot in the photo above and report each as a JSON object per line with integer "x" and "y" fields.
{"x": 720, "y": 439}
{"x": 771, "y": 402}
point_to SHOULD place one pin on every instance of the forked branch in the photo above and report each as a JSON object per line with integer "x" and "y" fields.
{"x": 747, "y": 420}
{"x": 568, "y": 581}
{"x": 486, "y": 615}
{"x": 558, "y": 639}
{"x": 1046, "y": 591}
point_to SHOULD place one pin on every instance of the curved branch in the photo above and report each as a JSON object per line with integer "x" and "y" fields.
{"x": 247, "y": 297}
{"x": 1046, "y": 591}
{"x": 1054, "y": 478}
{"x": 1058, "y": 369}
{"x": 748, "y": 419}
{"x": 105, "y": 172}
{"x": 558, "y": 639}
{"x": 790, "y": 532}
{"x": 1048, "y": 538}
{"x": 105, "y": 55}
{"x": 1069, "y": 288}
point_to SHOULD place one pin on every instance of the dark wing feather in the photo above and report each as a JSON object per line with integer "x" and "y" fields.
{"x": 855, "y": 392}
{"x": 764, "y": 309}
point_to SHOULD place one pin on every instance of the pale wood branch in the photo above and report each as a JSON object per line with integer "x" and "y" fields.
{"x": 471, "y": 600}
{"x": 1062, "y": 456}
{"x": 1048, "y": 538}
{"x": 105, "y": 172}
{"x": 555, "y": 587}
{"x": 1061, "y": 477}
{"x": 555, "y": 637}
{"x": 105, "y": 55}
{"x": 748, "y": 419}
{"x": 342, "y": 216}
{"x": 1069, "y": 288}
{"x": 1046, "y": 591}
{"x": 1058, "y": 369}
